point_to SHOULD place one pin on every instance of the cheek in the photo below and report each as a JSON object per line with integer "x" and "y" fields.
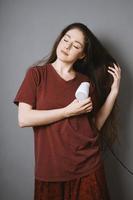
{"x": 58, "y": 49}
{"x": 76, "y": 54}
{"x": 60, "y": 44}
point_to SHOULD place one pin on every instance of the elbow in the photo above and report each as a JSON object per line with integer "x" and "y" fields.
{"x": 97, "y": 123}
{"x": 22, "y": 122}
{"x": 21, "y": 125}
{"x": 98, "y": 127}
{"x": 23, "y": 115}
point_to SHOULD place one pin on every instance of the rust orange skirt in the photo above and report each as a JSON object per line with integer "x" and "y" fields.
{"x": 90, "y": 187}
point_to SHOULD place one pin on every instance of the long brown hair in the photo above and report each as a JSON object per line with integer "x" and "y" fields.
{"x": 94, "y": 65}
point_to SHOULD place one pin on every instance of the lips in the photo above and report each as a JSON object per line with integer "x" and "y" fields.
{"x": 64, "y": 52}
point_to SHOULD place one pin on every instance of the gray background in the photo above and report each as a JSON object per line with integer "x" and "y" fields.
{"x": 28, "y": 29}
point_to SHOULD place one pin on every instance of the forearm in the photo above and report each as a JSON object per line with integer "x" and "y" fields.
{"x": 29, "y": 117}
{"x": 105, "y": 110}
{"x": 32, "y": 117}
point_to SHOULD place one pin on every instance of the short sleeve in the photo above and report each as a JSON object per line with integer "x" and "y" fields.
{"x": 27, "y": 91}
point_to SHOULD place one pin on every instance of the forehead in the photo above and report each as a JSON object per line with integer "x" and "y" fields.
{"x": 75, "y": 34}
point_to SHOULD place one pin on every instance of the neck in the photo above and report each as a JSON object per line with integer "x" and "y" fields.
{"x": 62, "y": 67}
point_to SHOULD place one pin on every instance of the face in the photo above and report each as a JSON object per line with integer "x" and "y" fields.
{"x": 71, "y": 46}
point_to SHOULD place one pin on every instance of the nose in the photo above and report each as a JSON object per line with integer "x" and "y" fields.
{"x": 68, "y": 45}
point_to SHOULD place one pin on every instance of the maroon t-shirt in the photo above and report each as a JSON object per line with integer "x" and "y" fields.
{"x": 68, "y": 148}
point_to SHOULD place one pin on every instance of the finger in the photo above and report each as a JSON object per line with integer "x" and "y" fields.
{"x": 89, "y": 109}
{"x": 117, "y": 67}
{"x": 114, "y": 71}
{"x": 113, "y": 74}
{"x": 85, "y": 101}
{"x": 117, "y": 70}
{"x": 88, "y": 106}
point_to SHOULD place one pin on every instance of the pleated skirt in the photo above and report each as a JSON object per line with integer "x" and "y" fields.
{"x": 90, "y": 187}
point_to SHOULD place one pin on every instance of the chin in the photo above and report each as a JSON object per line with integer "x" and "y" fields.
{"x": 62, "y": 58}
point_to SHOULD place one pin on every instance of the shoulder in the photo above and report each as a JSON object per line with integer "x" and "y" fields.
{"x": 37, "y": 73}
{"x": 37, "y": 69}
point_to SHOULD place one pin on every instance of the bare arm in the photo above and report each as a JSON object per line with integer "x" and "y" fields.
{"x": 105, "y": 110}
{"x": 28, "y": 117}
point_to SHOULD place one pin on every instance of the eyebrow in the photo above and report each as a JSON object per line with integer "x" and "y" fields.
{"x": 75, "y": 40}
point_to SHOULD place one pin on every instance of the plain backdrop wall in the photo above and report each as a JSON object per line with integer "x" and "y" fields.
{"x": 28, "y": 29}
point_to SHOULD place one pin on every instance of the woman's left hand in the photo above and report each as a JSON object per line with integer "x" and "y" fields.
{"x": 116, "y": 73}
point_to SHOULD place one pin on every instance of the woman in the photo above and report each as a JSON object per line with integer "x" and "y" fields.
{"x": 68, "y": 163}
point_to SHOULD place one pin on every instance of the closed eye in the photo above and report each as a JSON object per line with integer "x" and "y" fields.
{"x": 65, "y": 40}
{"x": 76, "y": 47}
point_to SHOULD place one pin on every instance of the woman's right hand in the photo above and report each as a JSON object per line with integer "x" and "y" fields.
{"x": 78, "y": 107}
